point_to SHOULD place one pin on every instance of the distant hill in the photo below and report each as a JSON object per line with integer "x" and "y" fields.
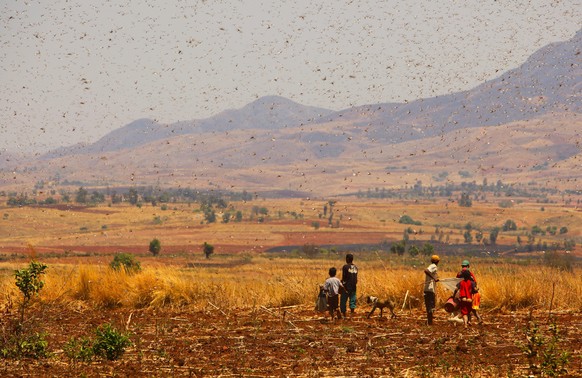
{"x": 549, "y": 81}
{"x": 524, "y": 125}
{"x": 268, "y": 113}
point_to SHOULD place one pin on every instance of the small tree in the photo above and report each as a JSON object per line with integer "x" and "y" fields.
{"x": 413, "y": 251}
{"x": 125, "y": 261}
{"x": 29, "y": 282}
{"x": 398, "y": 248}
{"x": 209, "y": 215}
{"x": 493, "y": 235}
{"x": 478, "y": 236}
{"x": 407, "y": 219}
{"x": 208, "y": 249}
{"x": 468, "y": 237}
{"x": 155, "y": 247}
{"x": 509, "y": 225}
{"x": 81, "y": 196}
{"x": 427, "y": 249}
{"x": 465, "y": 200}
{"x": 133, "y": 196}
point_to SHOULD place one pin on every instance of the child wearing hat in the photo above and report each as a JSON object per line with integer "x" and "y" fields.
{"x": 431, "y": 278}
{"x": 465, "y": 266}
{"x": 476, "y": 296}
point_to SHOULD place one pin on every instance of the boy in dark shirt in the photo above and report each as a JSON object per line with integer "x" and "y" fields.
{"x": 350, "y": 282}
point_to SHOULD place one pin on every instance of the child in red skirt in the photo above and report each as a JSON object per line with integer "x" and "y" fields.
{"x": 465, "y": 289}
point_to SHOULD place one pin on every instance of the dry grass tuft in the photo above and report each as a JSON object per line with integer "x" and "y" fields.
{"x": 281, "y": 282}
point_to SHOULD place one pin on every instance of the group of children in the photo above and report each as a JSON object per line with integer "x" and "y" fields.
{"x": 339, "y": 292}
{"x": 467, "y": 294}
{"x": 335, "y": 293}
{"x": 465, "y": 299}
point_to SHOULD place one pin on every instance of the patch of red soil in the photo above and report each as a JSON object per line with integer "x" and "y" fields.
{"x": 293, "y": 341}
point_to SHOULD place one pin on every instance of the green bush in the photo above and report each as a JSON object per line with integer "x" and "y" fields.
{"x": 407, "y": 219}
{"x": 543, "y": 350}
{"x": 24, "y": 345}
{"x": 18, "y": 339}
{"x": 110, "y": 343}
{"x": 155, "y": 247}
{"x": 29, "y": 282}
{"x": 208, "y": 249}
{"x": 79, "y": 349}
{"x": 126, "y": 261}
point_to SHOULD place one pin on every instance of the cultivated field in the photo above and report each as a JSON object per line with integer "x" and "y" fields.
{"x": 249, "y": 312}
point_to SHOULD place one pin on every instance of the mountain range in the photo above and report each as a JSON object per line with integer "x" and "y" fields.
{"x": 523, "y": 126}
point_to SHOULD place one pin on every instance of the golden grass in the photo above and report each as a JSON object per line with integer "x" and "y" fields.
{"x": 246, "y": 279}
{"x": 274, "y": 282}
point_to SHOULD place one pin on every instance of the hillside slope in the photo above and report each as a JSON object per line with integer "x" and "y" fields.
{"x": 523, "y": 126}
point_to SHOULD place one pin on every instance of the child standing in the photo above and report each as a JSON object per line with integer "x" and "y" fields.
{"x": 465, "y": 289}
{"x": 465, "y": 266}
{"x": 350, "y": 282}
{"x": 332, "y": 287}
{"x": 476, "y": 303}
{"x": 431, "y": 278}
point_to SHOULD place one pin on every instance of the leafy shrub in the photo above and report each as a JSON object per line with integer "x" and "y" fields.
{"x": 155, "y": 247}
{"x": 509, "y": 225}
{"x": 110, "y": 343}
{"x": 17, "y": 340}
{"x": 29, "y": 282}
{"x": 398, "y": 248}
{"x": 79, "y": 349}
{"x": 20, "y": 345}
{"x": 537, "y": 230}
{"x": 543, "y": 352}
{"x": 506, "y": 204}
{"x": 427, "y": 249}
{"x": 126, "y": 261}
{"x": 406, "y": 219}
{"x": 208, "y": 249}
{"x": 413, "y": 251}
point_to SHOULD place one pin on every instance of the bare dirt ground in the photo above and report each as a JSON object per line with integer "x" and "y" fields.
{"x": 294, "y": 342}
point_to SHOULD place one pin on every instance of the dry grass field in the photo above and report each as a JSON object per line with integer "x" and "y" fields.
{"x": 64, "y": 231}
{"x": 249, "y": 312}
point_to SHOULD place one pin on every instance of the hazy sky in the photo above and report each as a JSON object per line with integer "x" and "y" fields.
{"x": 73, "y": 70}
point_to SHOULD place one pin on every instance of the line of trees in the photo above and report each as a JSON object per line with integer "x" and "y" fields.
{"x": 466, "y": 192}
{"x": 134, "y": 196}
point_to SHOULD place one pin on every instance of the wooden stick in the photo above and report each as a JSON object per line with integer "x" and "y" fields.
{"x": 216, "y": 307}
{"x": 128, "y": 320}
{"x": 552, "y": 299}
{"x": 405, "y": 297}
{"x": 275, "y": 315}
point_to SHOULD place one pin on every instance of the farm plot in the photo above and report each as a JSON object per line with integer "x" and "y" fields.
{"x": 294, "y": 341}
